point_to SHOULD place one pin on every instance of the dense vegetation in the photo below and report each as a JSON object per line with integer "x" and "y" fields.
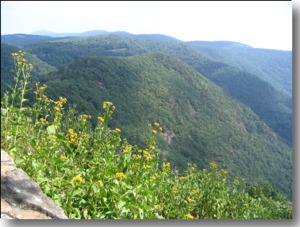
{"x": 143, "y": 91}
{"x": 7, "y": 64}
{"x": 274, "y": 66}
{"x": 277, "y": 114}
{"x": 201, "y": 123}
{"x": 94, "y": 173}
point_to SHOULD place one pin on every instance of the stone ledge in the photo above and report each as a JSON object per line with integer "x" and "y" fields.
{"x": 21, "y": 197}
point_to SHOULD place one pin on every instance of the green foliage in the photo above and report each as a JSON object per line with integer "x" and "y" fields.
{"x": 7, "y": 63}
{"x": 221, "y": 62}
{"x": 202, "y": 122}
{"x": 92, "y": 173}
{"x": 274, "y": 66}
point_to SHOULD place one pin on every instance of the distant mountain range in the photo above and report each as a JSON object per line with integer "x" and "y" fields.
{"x": 217, "y": 101}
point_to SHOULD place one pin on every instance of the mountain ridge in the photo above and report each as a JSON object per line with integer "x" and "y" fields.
{"x": 230, "y": 78}
{"x": 205, "y": 124}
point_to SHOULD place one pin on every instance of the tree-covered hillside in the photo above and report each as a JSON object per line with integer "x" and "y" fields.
{"x": 93, "y": 173}
{"x": 268, "y": 103}
{"x": 201, "y": 123}
{"x": 274, "y": 66}
{"x": 24, "y": 39}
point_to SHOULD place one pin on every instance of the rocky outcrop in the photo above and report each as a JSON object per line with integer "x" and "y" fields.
{"x": 21, "y": 197}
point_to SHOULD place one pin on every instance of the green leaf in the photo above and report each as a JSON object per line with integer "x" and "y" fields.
{"x": 121, "y": 204}
{"x": 19, "y": 160}
{"x": 51, "y": 130}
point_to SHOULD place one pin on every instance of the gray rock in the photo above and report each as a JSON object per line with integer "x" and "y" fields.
{"x": 21, "y": 197}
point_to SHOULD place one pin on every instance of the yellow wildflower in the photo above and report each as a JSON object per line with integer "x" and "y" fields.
{"x": 107, "y": 104}
{"x": 147, "y": 155}
{"x": 126, "y": 148}
{"x": 57, "y": 108}
{"x": 77, "y": 180}
{"x": 166, "y": 165}
{"x": 117, "y": 130}
{"x": 42, "y": 119}
{"x": 156, "y": 124}
{"x": 146, "y": 167}
{"x": 137, "y": 156}
{"x": 71, "y": 136}
{"x": 101, "y": 119}
{"x": 189, "y": 216}
{"x": 195, "y": 192}
{"x": 190, "y": 200}
{"x": 151, "y": 147}
{"x": 154, "y": 132}
{"x": 120, "y": 176}
{"x": 63, "y": 158}
{"x": 182, "y": 178}
{"x": 99, "y": 182}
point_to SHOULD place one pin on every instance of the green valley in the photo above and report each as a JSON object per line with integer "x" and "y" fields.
{"x": 210, "y": 109}
{"x": 201, "y": 123}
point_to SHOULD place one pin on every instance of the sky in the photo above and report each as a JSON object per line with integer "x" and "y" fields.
{"x": 260, "y": 24}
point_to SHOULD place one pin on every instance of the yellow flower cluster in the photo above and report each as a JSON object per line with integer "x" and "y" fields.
{"x": 120, "y": 176}
{"x": 107, "y": 105}
{"x": 101, "y": 119}
{"x": 39, "y": 89}
{"x": 191, "y": 200}
{"x": 59, "y": 103}
{"x": 77, "y": 180}
{"x": 99, "y": 182}
{"x": 21, "y": 61}
{"x": 63, "y": 158}
{"x": 84, "y": 117}
{"x": 195, "y": 191}
{"x": 182, "y": 178}
{"x": 147, "y": 155}
{"x": 151, "y": 147}
{"x": 117, "y": 130}
{"x": 146, "y": 167}
{"x": 126, "y": 148}
{"x": 189, "y": 216}
{"x": 137, "y": 156}
{"x": 166, "y": 165}
{"x": 43, "y": 120}
{"x": 71, "y": 136}
{"x": 154, "y": 132}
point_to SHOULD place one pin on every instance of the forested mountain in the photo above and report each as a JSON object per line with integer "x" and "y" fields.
{"x": 273, "y": 66}
{"x": 201, "y": 123}
{"x": 210, "y": 110}
{"x": 24, "y": 39}
{"x": 266, "y": 101}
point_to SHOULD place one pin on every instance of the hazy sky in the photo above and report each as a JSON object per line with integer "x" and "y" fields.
{"x": 259, "y": 24}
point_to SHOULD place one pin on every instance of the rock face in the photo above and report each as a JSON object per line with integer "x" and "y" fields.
{"x": 22, "y": 198}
